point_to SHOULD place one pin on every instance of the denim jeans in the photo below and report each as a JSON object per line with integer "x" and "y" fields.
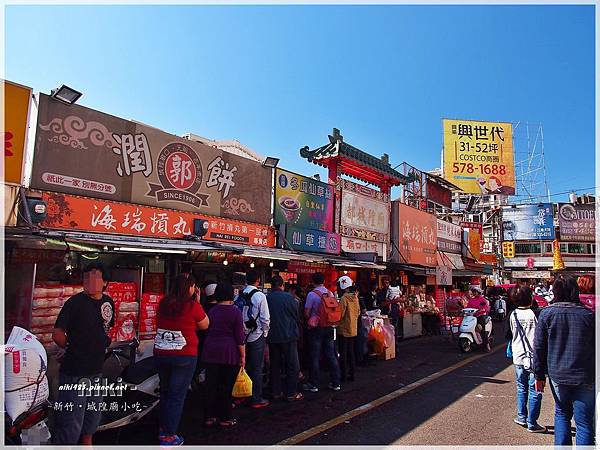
{"x": 255, "y": 362}
{"x": 527, "y": 396}
{"x": 175, "y": 374}
{"x": 284, "y": 356}
{"x": 578, "y": 401}
{"x": 83, "y": 416}
{"x": 322, "y": 339}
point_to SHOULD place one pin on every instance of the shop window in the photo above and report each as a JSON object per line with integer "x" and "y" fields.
{"x": 563, "y": 248}
{"x": 528, "y": 248}
{"x": 547, "y": 248}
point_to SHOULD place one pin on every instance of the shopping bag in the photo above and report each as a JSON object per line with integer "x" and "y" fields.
{"x": 377, "y": 338}
{"x": 243, "y": 385}
{"x": 389, "y": 335}
{"x": 509, "y": 353}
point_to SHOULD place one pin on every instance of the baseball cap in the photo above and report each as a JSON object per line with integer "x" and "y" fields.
{"x": 345, "y": 282}
{"x": 210, "y": 289}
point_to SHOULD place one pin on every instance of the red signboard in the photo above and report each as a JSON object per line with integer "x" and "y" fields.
{"x": 103, "y": 216}
{"x": 439, "y": 194}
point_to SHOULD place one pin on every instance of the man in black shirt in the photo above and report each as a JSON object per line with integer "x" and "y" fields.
{"x": 81, "y": 329}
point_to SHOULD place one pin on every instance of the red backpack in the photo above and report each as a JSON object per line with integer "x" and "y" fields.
{"x": 330, "y": 312}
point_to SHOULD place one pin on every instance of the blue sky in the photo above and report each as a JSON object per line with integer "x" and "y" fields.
{"x": 277, "y": 78}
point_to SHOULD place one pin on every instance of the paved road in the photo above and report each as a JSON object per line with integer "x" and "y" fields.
{"x": 435, "y": 413}
{"x": 474, "y": 405}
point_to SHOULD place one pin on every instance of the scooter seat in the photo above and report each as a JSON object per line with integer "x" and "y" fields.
{"x": 140, "y": 371}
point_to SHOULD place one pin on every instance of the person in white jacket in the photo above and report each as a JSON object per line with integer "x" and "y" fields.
{"x": 522, "y": 330}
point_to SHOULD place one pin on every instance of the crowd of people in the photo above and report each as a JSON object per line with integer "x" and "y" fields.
{"x": 208, "y": 331}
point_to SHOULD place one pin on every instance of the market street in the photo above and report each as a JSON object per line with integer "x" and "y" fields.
{"x": 428, "y": 414}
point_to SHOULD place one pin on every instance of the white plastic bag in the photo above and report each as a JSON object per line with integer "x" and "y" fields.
{"x": 26, "y": 363}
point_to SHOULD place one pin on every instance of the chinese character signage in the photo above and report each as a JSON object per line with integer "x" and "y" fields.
{"x": 528, "y": 222}
{"x": 443, "y": 275}
{"x": 85, "y": 152}
{"x": 415, "y": 234}
{"x": 303, "y": 201}
{"x": 479, "y": 157}
{"x": 102, "y": 216}
{"x": 315, "y": 241}
{"x": 351, "y": 245}
{"x": 475, "y": 233}
{"x": 449, "y": 237}
{"x": 577, "y": 222}
{"x": 364, "y": 212}
{"x": 16, "y": 116}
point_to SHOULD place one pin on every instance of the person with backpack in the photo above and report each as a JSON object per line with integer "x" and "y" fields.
{"x": 348, "y": 328}
{"x": 564, "y": 350}
{"x": 323, "y": 313}
{"x": 522, "y": 322}
{"x": 255, "y": 312}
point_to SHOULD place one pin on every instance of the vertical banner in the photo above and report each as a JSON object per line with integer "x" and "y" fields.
{"x": 16, "y": 116}
{"x": 479, "y": 156}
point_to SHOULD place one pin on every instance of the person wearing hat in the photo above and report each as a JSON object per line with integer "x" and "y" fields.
{"x": 348, "y": 327}
{"x": 478, "y": 301}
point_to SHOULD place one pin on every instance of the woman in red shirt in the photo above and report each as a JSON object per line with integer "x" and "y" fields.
{"x": 176, "y": 351}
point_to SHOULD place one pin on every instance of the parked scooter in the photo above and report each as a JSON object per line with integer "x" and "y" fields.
{"x": 30, "y": 428}
{"x": 133, "y": 386}
{"x": 470, "y": 331}
{"x": 498, "y": 307}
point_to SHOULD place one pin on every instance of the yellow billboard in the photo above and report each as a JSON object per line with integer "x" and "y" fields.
{"x": 16, "y": 114}
{"x": 479, "y": 156}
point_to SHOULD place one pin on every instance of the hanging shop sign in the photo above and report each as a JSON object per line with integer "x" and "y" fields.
{"x": 303, "y": 201}
{"x": 479, "y": 157}
{"x": 449, "y": 236}
{"x": 103, "y": 216}
{"x": 475, "y": 241}
{"x": 85, "y": 152}
{"x": 351, "y": 245}
{"x": 443, "y": 275}
{"x": 304, "y": 267}
{"x": 541, "y": 274}
{"x": 577, "y": 222}
{"x": 415, "y": 234}
{"x": 17, "y": 100}
{"x": 315, "y": 241}
{"x": 528, "y": 222}
{"x": 364, "y": 212}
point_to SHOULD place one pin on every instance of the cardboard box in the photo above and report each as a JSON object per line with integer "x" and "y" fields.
{"x": 389, "y": 352}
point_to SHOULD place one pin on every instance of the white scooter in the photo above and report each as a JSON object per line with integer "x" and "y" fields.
{"x": 470, "y": 331}
{"x": 499, "y": 308}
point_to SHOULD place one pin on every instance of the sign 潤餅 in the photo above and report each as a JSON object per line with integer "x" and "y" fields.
{"x": 478, "y": 156}
{"x": 69, "y": 212}
{"x": 303, "y": 201}
{"x": 415, "y": 234}
{"x": 85, "y": 152}
{"x": 17, "y": 99}
{"x": 528, "y": 222}
{"x": 577, "y": 222}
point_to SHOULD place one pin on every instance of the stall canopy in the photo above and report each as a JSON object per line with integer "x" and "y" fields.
{"x": 128, "y": 243}
{"x": 450, "y": 260}
{"x": 351, "y": 263}
{"x": 271, "y": 253}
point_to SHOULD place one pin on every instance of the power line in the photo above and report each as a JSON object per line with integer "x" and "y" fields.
{"x": 559, "y": 193}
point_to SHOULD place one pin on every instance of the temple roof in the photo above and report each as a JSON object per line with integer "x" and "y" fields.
{"x": 354, "y": 162}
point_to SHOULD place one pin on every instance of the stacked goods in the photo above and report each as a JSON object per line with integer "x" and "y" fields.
{"x": 148, "y": 310}
{"x": 126, "y": 310}
{"x": 25, "y": 382}
{"x": 48, "y": 300}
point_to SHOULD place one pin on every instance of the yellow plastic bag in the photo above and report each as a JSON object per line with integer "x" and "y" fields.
{"x": 243, "y": 385}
